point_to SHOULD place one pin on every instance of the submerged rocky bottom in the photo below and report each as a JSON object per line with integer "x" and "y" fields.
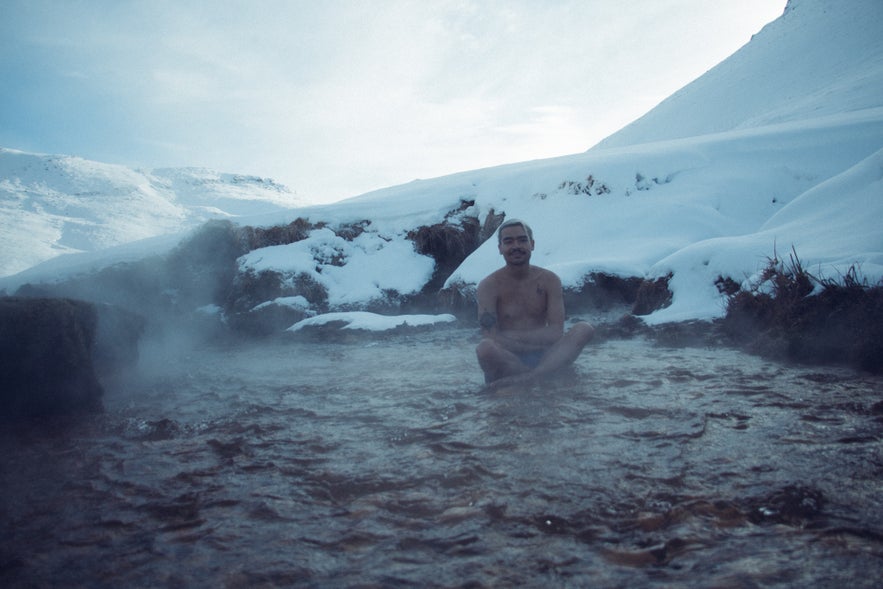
{"x": 378, "y": 462}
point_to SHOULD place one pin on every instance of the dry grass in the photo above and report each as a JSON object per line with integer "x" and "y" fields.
{"x": 795, "y": 315}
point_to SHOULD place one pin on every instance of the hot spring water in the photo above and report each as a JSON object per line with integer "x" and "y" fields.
{"x": 377, "y": 462}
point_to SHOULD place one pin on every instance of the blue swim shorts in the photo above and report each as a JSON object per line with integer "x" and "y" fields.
{"x": 531, "y": 358}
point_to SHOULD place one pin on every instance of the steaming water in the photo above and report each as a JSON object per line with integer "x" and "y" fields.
{"x": 377, "y": 462}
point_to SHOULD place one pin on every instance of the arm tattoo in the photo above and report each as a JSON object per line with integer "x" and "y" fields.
{"x": 487, "y": 320}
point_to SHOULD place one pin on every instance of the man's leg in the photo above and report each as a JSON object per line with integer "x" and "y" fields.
{"x": 565, "y": 350}
{"x": 497, "y": 362}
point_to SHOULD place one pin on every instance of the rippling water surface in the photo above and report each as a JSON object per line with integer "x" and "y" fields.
{"x": 378, "y": 462}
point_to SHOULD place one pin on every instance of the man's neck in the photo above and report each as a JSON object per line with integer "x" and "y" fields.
{"x": 519, "y": 271}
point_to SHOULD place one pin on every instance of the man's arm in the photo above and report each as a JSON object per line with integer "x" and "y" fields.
{"x": 555, "y": 311}
{"x": 487, "y": 307}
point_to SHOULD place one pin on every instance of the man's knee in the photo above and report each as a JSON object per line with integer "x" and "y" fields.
{"x": 485, "y": 349}
{"x": 582, "y": 333}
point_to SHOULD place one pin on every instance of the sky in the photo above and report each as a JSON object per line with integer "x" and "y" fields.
{"x": 340, "y": 97}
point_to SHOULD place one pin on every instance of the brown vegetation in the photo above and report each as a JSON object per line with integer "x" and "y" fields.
{"x": 257, "y": 237}
{"x": 452, "y": 241}
{"x": 589, "y": 187}
{"x": 806, "y": 318}
{"x": 652, "y": 295}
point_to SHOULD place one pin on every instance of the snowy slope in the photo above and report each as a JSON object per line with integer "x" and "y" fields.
{"x": 700, "y": 208}
{"x": 821, "y": 57}
{"x": 774, "y": 149}
{"x": 51, "y": 205}
{"x": 777, "y": 148}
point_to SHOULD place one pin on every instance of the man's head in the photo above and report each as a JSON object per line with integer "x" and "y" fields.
{"x": 515, "y": 242}
{"x": 514, "y": 223}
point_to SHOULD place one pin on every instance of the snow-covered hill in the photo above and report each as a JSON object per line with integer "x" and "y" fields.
{"x": 781, "y": 154}
{"x": 821, "y": 57}
{"x": 52, "y": 205}
{"x": 779, "y": 147}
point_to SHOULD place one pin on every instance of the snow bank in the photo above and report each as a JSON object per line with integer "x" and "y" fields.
{"x": 371, "y": 321}
{"x": 832, "y": 227}
{"x": 352, "y": 272}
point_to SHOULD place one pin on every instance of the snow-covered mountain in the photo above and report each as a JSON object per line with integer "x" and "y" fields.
{"x": 777, "y": 149}
{"x": 52, "y": 205}
{"x": 820, "y": 58}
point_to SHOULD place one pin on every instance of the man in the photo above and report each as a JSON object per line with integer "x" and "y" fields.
{"x": 521, "y": 313}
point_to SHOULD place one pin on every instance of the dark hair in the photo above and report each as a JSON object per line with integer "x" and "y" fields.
{"x": 512, "y": 223}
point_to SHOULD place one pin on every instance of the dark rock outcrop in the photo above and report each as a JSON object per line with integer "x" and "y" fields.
{"x": 46, "y": 363}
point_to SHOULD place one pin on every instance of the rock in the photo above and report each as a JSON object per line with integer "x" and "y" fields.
{"x": 46, "y": 363}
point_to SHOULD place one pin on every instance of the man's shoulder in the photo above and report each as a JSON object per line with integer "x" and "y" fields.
{"x": 545, "y": 274}
{"x": 492, "y": 278}
{"x": 501, "y": 276}
{"x": 487, "y": 282}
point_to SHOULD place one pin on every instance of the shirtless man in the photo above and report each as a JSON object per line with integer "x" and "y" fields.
{"x": 521, "y": 313}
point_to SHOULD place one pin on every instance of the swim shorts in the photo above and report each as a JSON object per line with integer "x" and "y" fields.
{"x": 531, "y": 358}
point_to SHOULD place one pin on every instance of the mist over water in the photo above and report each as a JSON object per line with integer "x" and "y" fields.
{"x": 376, "y": 461}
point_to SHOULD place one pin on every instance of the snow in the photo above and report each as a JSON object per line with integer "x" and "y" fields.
{"x": 371, "y": 321}
{"x": 777, "y": 149}
{"x": 351, "y": 271}
{"x": 821, "y": 57}
{"x": 297, "y": 302}
{"x": 52, "y": 205}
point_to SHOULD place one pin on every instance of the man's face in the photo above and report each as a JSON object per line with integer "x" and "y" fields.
{"x": 515, "y": 245}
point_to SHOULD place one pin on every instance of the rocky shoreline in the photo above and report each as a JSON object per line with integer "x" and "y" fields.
{"x": 199, "y": 288}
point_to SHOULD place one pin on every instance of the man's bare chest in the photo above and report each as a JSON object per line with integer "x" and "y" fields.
{"x": 523, "y": 305}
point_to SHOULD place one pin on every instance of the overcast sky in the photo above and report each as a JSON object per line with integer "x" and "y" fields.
{"x": 338, "y": 97}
